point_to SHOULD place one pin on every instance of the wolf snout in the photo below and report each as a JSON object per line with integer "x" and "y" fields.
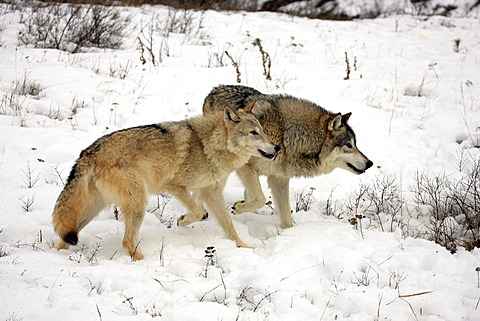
{"x": 270, "y": 154}
{"x": 368, "y": 164}
{"x": 362, "y": 169}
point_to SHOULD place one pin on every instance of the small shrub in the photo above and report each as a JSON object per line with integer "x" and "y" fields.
{"x": 385, "y": 197}
{"x": 378, "y": 203}
{"x": 357, "y": 203}
{"x": 158, "y": 209}
{"x": 128, "y": 302}
{"x": 119, "y": 70}
{"x": 158, "y": 29}
{"x": 395, "y": 278}
{"x": 365, "y": 277}
{"x": 303, "y": 200}
{"x": 26, "y": 203}
{"x": 27, "y": 87}
{"x": 252, "y": 299}
{"x": 72, "y": 27}
{"x": 13, "y": 102}
{"x": 331, "y": 207}
{"x": 183, "y": 21}
{"x": 416, "y": 90}
{"x": 31, "y": 178}
{"x": 215, "y": 59}
{"x": 453, "y": 207}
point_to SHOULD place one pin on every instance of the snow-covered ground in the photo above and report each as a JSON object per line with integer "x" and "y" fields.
{"x": 413, "y": 91}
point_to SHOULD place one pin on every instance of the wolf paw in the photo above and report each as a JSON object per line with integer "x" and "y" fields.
{"x": 132, "y": 247}
{"x": 240, "y": 243}
{"x": 287, "y": 224}
{"x": 183, "y": 220}
{"x": 137, "y": 255}
{"x": 244, "y": 206}
{"x": 236, "y": 207}
{"x": 189, "y": 218}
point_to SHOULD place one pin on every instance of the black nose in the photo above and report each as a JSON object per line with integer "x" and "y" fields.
{"x": 369, "y": 164}
{"x": 277, "y": 149}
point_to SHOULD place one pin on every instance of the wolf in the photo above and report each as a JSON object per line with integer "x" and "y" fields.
{"x": 314, "y": 141}
{"x": 190, "y": 157}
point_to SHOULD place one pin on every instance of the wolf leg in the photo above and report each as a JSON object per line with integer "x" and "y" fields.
{"x": 195, "y": 211}
{"x": 254, "y": 198}
{"x": 196, "y": 197}
{"x": 131, "y": 197}
{"x": 280, "y": 192}
{"x": 213, "y": 198}
{"x": 133, "y": 217}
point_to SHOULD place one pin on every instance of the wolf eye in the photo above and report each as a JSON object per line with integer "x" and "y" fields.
{"x": 349, "y": 145}
{"x": 254, "y": 133}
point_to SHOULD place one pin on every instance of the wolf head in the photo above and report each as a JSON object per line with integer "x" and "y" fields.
{"x": 344, "y": 152}
{"x": 246, "y": 133}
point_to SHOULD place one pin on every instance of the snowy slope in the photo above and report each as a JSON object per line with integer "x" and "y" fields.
{"x": 321, "y": 269}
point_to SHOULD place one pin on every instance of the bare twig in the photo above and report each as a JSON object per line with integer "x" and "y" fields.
{"x": 266, "y": 61}
{"x": 235, "y": 65}
{"x": 205, "y": 294}
{"x": 347, "y": 77}
{"x": 54, "y": 282}
{"x": 98, "y": 311}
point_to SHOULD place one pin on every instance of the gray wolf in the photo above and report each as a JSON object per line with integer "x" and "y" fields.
{"x": 314, "y": 141}
{"x": 184, "y": 158}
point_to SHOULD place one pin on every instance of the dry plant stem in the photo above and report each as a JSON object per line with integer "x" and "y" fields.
{"x": 403, "y": 296}
{"x": 98, "y": 311}
{"x": 347, "y": 77}
{"x": 266, "y": 61}
{"x": 235, "y": 65}
{"x": 54, "y": 282}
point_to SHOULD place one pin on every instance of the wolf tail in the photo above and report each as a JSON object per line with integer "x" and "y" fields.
{"x": 76, "y": 206}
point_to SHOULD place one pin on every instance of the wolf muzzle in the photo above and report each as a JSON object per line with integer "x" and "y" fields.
{"x": 270, "y": 155}
{"x": 368, "y": 164}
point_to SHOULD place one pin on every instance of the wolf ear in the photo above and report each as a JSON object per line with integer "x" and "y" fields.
{"x": 335, "y": 122}
{"x": 249, "y": 107}
{"x": 346, "y": 117}
{"x": 231, "y": 115}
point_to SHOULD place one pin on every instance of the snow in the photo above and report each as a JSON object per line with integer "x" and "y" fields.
{"x": 323, "y": 268}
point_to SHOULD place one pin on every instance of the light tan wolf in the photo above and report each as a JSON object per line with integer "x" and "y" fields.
{"x": 193, "y": 156}
{"x": 313, "y": 141}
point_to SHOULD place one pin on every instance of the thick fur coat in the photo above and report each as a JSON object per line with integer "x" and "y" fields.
{"x": 314, "y": 141}
{"x": 193, "y": 156}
